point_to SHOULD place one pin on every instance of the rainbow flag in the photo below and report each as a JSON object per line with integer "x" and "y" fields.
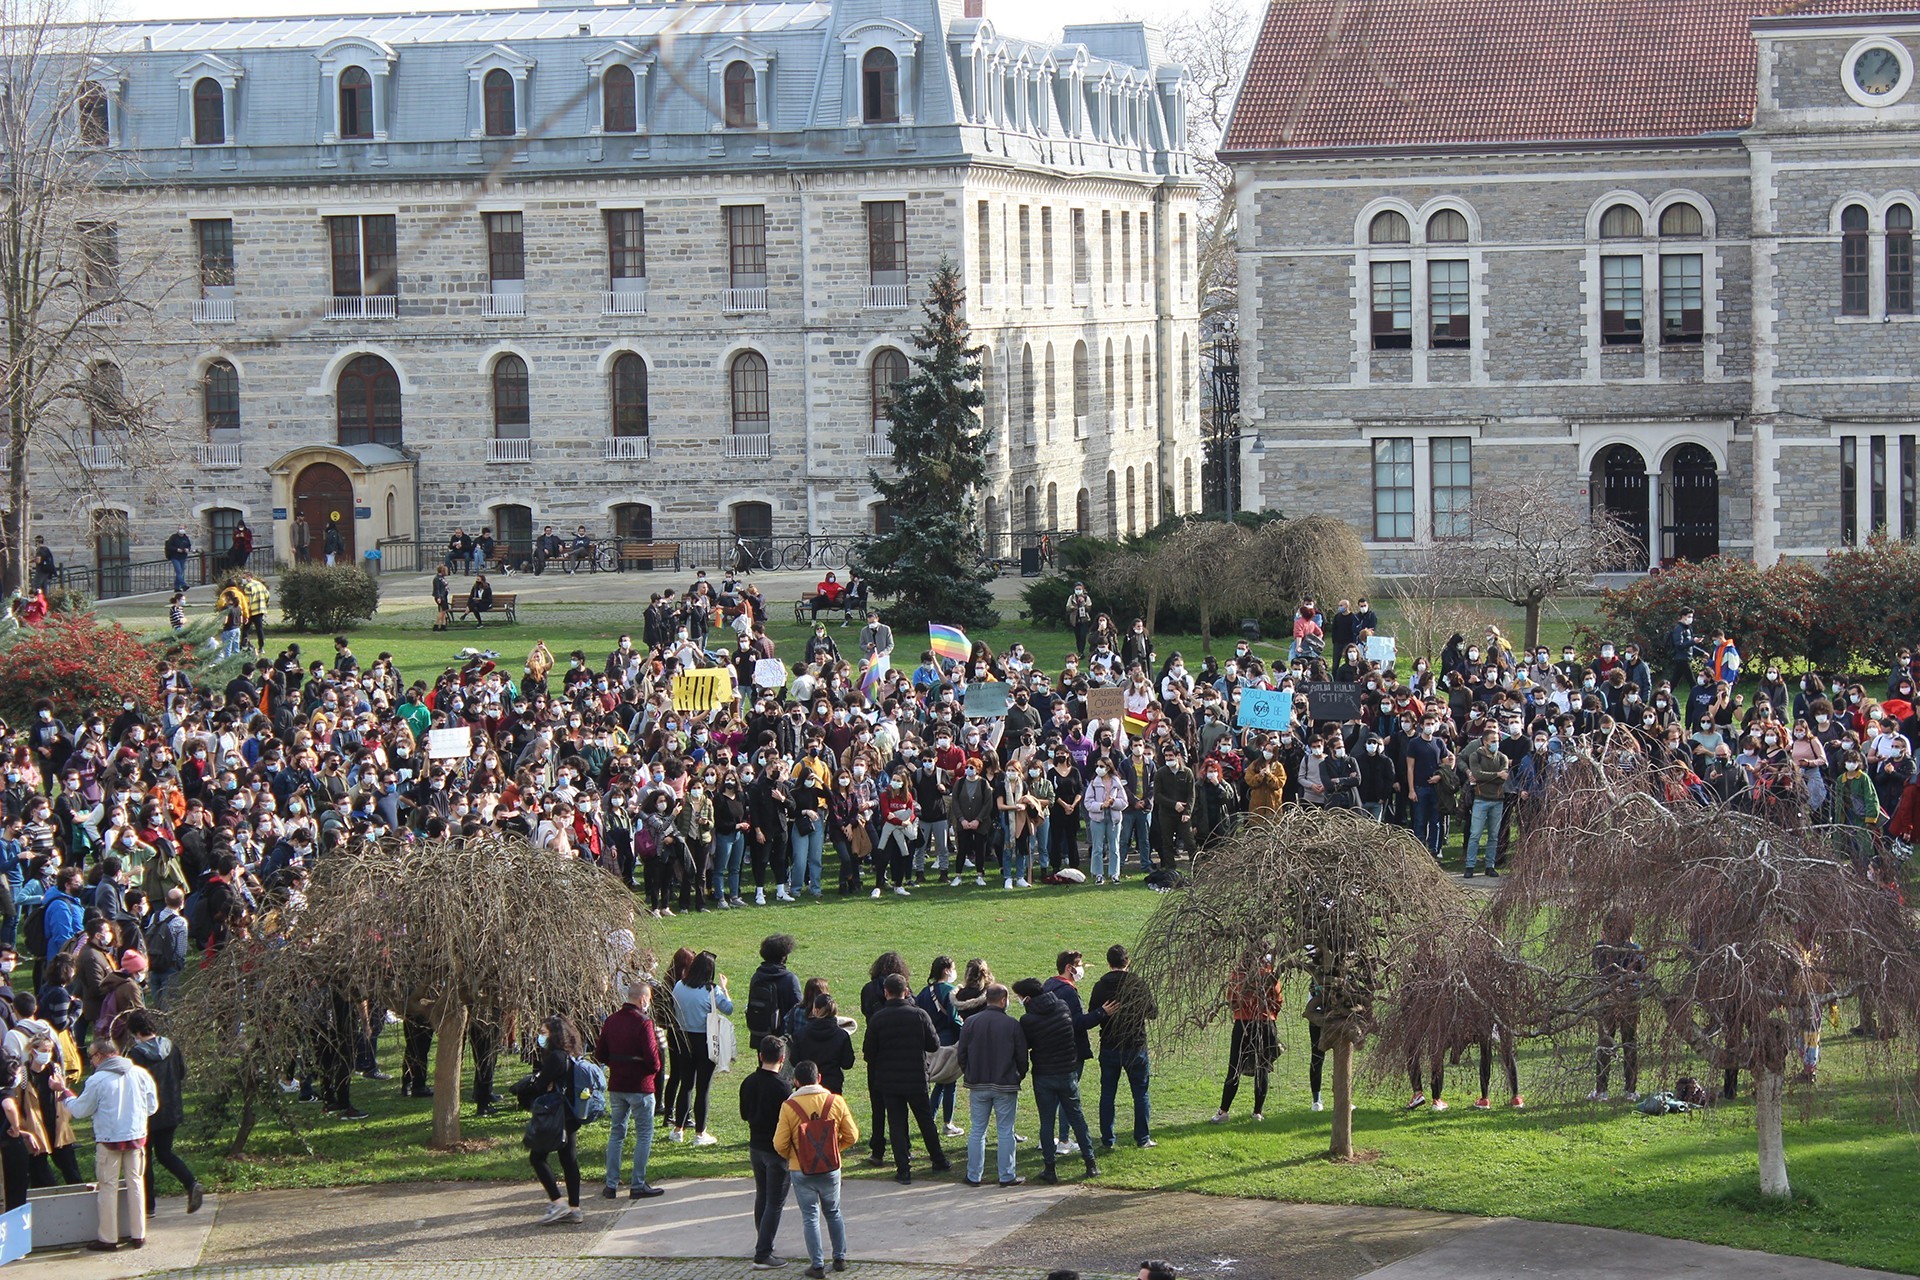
{"x": 870, "y": 678}
{"x": 948, "y": 642}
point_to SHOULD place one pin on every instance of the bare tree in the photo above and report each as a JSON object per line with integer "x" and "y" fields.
{"x": 1201, "y": 566}
{"x": 1427, "y": 608}
{"x": 1532, "y": 544}
{"x": 1314, "y": 555}
{"x": 1212, "y": 42}
{"x": 1333, "y": 897}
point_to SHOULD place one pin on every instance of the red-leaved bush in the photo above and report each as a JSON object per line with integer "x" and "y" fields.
{"x": 78, "y": 663}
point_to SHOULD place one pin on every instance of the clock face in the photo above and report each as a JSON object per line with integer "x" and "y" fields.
{"x": 1876, "y": 71}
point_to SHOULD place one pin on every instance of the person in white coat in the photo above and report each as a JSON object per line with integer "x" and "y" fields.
{"x": 119, "y": 1097}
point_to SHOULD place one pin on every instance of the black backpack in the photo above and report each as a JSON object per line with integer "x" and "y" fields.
{"x": 35, "y": 930}
{"x": 199, "y": 920}
{"x": 763, "y": 1005}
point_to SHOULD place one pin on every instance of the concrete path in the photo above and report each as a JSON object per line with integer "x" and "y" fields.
{"x": 938, "y": 1229}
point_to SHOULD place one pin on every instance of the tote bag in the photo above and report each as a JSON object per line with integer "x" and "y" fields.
{"x": 720, "y": 1041}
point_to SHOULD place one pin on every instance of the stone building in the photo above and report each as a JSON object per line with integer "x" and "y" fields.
{"x": 1659, "y": 254}
{"x": 647, "y": 268}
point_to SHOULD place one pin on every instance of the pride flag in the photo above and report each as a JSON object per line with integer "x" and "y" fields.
{"x": 948, "y": 642}
{"x": 870, "y": 678}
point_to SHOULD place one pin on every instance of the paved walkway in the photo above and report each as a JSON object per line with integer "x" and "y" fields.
{"x": 938, "y": 1229}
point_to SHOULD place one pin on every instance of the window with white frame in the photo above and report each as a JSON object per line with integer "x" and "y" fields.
{"x": 1393, "y": 490}
{"x": 1452, "y": 467}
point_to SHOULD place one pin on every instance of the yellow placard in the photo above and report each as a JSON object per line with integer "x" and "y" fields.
{"x": 706, "y": 690}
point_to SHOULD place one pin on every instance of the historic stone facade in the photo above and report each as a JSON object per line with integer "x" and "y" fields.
{"x": 1571, "y": 271}
{"x": 647, "y": 269}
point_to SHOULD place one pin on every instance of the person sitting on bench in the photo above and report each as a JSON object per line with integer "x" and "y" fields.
{"x": 480, "y": 599}
{"x": 827, "y": 594}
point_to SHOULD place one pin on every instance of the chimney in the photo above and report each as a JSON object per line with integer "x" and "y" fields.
{"x": 974, "y": 8}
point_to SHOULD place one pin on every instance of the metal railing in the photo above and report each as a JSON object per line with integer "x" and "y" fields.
{"x": 99, "y": 457}
{"x": 379, "y": 306}
{"x": 750, "y": 446}
{"x": 503, "y": 306}
{"x": 627, "y": 448}
{"x": 888, "y": 296}
{"x": 618, "y": 302}
{"x": 520, "y": 450}
{"x": 880, "y": 443}
{"x": 744, "y": 299}
{"x": 213, "y": 311}
{"x": 224, "y": 456}
{"x": 144, "y": 577}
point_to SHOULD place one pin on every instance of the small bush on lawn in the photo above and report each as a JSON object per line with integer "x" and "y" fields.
{"x": 78, "y": 663}
{"x": 318, "y": 597}
{"x": 1770, "y": 613}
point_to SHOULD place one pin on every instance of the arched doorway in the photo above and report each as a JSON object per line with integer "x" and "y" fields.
{"x": 1691, "y": 504}
{"x": 1620, "y": 486}
{"x": 322, "y": 492}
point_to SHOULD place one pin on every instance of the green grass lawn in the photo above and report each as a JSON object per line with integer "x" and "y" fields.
{"x": 1853, "y": 1160}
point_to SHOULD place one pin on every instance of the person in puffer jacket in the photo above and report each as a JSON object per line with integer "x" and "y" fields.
{"x": 1054, "y": 1051}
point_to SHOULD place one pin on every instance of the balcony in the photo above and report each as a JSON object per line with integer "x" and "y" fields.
{"x": 1053, "y": 296}
{"x": 99, "y": 457}
{"x": 1083, "y": 295}
{"x": 378, "y": 306}
{"x": 503, "y": 306}
{"x": 213, "y": 311}
{"x": 509, "y": 451}
{"x": 758, "y": 445}
{"x": 623, "y": 302}
{"x": 880, "y": 443}
{"x": 105, "y": 315}
{"x": 739, "y": 301}
{"x": 1027, "y": 295}
{"x": 626, "y": 448}
{"x": 1080, "y": 426}
{"x": 888, "y": 297}
{"x": 220, "y": 457}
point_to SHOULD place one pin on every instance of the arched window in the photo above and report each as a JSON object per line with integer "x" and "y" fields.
{"x": 1106, "y": 387}
{"x": 752, "y": 414}
{"x": 1146, "y": 379}
{"x": 990, "y": 387}
{"x": 93, "y": 122}
{"x": 512, "y": 414}
{"x": 1113, "y": 504}
{"x": 633, "y": 520}
{"x": 1030, "y": 510}
{"x": 221, "y": 523}
{"x": 209, "y": 112}
{"x": 1900, "y": 260}
{"x": 629, "y": 395}
{"x": 742, "y": 105}
{"x": 1186, "y": 375}
{"x": 752, "y": 520}
{"x": 1082, "y": 512}
{"x": 1053, "y": 393}
{"x": 888, "y": 371}
{"x": 356, "y": 103}
{"x": 1152, "y": 497}
{"x": 1132, "y": 526}
{"x": 1082, "y": 380}
{"x": 1449, "y": 226}
{"x": 113, "y": 553}
{"x": 618, "y": 111}
{"x": 880, "y": 87}
{"x": 496, "y": 99}
{"x": 106, "y": 402}
{"x": 1681, "y": 221}
{"x": 1053, "y": 505}
{"x": 1186, "y": 485}
{"x": 1026, "y": 389}
{"x": 1126, "y": 379}
{"x": 220, "y": 398}
{"x": 1853, "y": 260}
{"x": 883, "y": 519}
{"x": 1388, "y": 227}
{"x": 1621, "y": 222}
{"x": 367, "y": 403}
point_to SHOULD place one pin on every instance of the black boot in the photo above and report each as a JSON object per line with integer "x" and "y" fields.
{"x": 1048, "y": 1176}
{"x": 1093, "y": 1170}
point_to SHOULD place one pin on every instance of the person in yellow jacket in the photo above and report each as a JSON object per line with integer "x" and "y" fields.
{"x": 1266, "y": 780}
{"x": 257, "y": 597}
{"x": 815, "y": 1164}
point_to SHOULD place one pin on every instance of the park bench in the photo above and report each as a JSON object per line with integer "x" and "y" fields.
{"x": 503, "y": 604}
{"x": 633, "y": 553}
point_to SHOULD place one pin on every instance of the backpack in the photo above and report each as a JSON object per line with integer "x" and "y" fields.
{"x": 199, "y": 920}
{"x": 587, "y": 1092}
{"x": 763, "y": 1005}
{"x": 163, "y": 952}
{"x": 931, "y": 1004}
{"x": 35, "y": 929}
{"x": 816, "y": 1139}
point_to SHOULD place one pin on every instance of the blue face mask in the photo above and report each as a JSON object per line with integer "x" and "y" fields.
{"x": 541, "y": 1039}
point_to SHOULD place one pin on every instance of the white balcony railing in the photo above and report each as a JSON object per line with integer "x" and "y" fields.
{"x": 379, "y": 306}
{"x": 1027, "y": 295}
{"x": 106, "y": 314}
{"x": 503, "y": 306}
{"x": 887, "y": 296}
{"x": 213, "y": 311}
{"x": 627, "y": 448}
{"x": 1080, "y": 426}
{"x": 509, "y": 450}
{"x": 744, "y": 299}
{"x": 624, "y": 302}
{"x": 880, "y": 443}
{"x": 99, "y": 457}
{"x": 1126, "y": 293}
{"x": 1083, "y": 295}
{"x": 989, "y": 294}
{"x": 1053, "y": 295}
{"x": 759, "y": 445}
{"x": 219, "y": 457}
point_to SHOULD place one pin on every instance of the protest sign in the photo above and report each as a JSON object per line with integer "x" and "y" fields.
{"x": 1331, "y": 699}
{"x": 769, "y": 673}
{"x": 1266, "y": 709}
{"x": 1106, "y": 704}
{"x": 986, "y": 700}
{"x": 449, "y": 744}
{"x": 1380, "y": 649}
{"x": 705, "y": 690}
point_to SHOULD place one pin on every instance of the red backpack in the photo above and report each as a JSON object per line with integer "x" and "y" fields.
{"x": 816, "y": 1139}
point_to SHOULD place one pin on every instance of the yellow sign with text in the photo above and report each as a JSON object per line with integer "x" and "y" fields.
{"x": 707, "y": 690}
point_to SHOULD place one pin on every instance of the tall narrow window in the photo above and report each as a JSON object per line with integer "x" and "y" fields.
{"x": 1082, "y": 512}
{"x": 93, "y": 121}
{"x": 100, "y": 262}
{"x": 747, "y": 246}
{"x": 1877, "y": 484}
{"x": 880, "y": 87}
{"x": 1126, "y": 251}
{"x": 751, "y": 407}
{"x": 742, "y": 96}
{"x": 1393, "y": 490}
{"x": 629, "y": 395}
{"x": 1046, "y": 250}
{"x": 887, "y": 243}
{"x": 888, "y": 372}
{"x": 1026, "y": 393}
{"x": 364, "y": 251}
{"x": 1082, "y": 269}
{"x": 626, "y": 245}
{"x": 1082, "y": 382}
{"x": 1146, "y": 259}
{"x": 1026, "y": 251}
{"x": 213, "y": 238}
{"x": 1681, "y": 306}
{"x": 496, "y": 97}
{"x": 1452, "y": 485}
{"x": 1107, "y": 401}
{"x": 1106, "y": 255}
{"x": 1622, "y": 300}
{"x": 356, "y": 103}
{"x": 983, "y": 219}
{"x": 220, "y": 399}
{"x": 209, "y": 112}
{"x": 1185, "y": 251}
{"x": 506, "y": 249}
{"x": 1146, "y": 380}
{"x": 106, "y": 402}
{"x": 1853, "y": 260}
{"x": 619, "y": 109}
{"x": 512, "y": 410}
{"x": 1447, "y": 303}
{"x": 1850, "y": 490}
{"x": 1392, "y": 306}
{"x": 1132, "y": 504}
{"x": 1909, "y": 475}
{"x": 367, "y": 403}
{"x": 1113, "y": 504}
{"x": 1053, "y": 389}
{"x": 113, "y": 552}
{"x": 1900, "y": 260}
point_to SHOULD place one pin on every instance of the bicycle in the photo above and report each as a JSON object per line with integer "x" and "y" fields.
{"x": 602, "y": 556}
{"x": 746, "y": 556}
{"x": 814, "y": 553}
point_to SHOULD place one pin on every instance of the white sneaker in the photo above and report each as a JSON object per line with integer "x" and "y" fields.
{"x": 1316, "y": 1103}
{"x": 759, "y": 897}
{"x": 556, "y": 1212}
{"x": 980, "y": 881}
{"x": 1219, "y": 1117}
{"x": 955, "y": 1131}
{"x": 706, "y": 1140}
{"x": 782, "y": 895}
{"x": 677, "y": 1135}
{"x": 1064, "y": 1148}
{"x": 900, "y": 890}
{"x": 954, "y": 883}
{"x": 1258, "y": 1117}
{"x": 1006, "y": 884}
{"x": 1099, "y": 879}
{"x": 1598, "y": 1095}
{"x": 1021, "y": 883}
{"x": 876, "y": 895}
{"x": 1632, "y": 1095}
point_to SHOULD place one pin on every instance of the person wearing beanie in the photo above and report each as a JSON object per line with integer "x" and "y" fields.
{"x": 120, "y": 994}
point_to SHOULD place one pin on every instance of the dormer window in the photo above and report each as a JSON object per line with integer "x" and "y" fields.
{"x": 880, "y": 87}
{"x": 356, "y": 84}
{"x": 742, "y": 97}
{"x": 94, "y": 121}
{"x": 209, "y": 112}
{"x": 497, "y": 99}
{"x": 617, "y": 102}
{"x": 356, "y": 103}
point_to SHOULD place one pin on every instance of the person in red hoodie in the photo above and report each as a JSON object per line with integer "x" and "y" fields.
{"x": 629, "y": 1048}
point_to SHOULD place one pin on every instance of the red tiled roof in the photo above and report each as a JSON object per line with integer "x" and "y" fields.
{"x": 1362, "y": 73}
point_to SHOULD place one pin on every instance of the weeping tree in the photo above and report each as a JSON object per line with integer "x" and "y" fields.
{"x": 1334, "y": 898}
{"x": 1748, "y": 932}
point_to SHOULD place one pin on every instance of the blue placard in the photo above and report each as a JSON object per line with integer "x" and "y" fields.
{"x": 1266, "y": 709}
{"x": 279, "y": 513}
{"x": 16, "y": 1234}
{"x": 363, "y": 513}
{"x": 986, "y": 700}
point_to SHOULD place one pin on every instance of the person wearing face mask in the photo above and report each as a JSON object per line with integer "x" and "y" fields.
{"x": 1377, "y": 775}
{"x": 1174, "y": 797}
{"x": 971, "y": 807}
{"x": 558, "y": 1045}
{"x": 1857, "y": 806}
{"x": 1426, "y": 758}
{"x": 1105, "y": 800}
{"x": 1266, "y": 778}
{"x": 1216, "y": 800}
{"x": 161, "y": 1059}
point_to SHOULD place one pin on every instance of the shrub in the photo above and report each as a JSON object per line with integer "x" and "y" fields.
{"x": 1046, "y": 600}
{"x": 1770, "y": 613}
{"x": 318, "y": 597}
{"x": 1869, "y": 601}
{"x": 78, "y": 663}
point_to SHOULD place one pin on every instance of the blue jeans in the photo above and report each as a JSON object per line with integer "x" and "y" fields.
{"x": 1061, "y": 1094}
{"x": 179, "y": 564}
{"x": 1375, "y": 810}
{"x": 1134, "y": 1064}
{"x": 619, "y": 1107}
{"x": 997, "y": 1105}
{"x": 1426, "y": 818}
{"x": 229, "y": 645}
{"x": 1136, "y": 833}
{"x": 819, "y": 1195}
{"x": 1483, "y": 831}
{"x": 936, "y": 844}
{"x": 807, "y": 851}
{"x": 729, "y": 852}
{"x": 1103, "y": 846}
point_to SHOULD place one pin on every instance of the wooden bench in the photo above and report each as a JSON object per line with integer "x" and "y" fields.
{"x": 847, "y": 607}
{"x": 633, "y": 552}
{"x": 503, "y": 604}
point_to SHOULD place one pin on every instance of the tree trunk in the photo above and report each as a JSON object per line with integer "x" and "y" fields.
{"x": 243, "y": 1132}
{"x": 1153, "y": 609}
{"x": 1206, "y": 632}
{"x": 1342, "y": 1054}
{"x": 1533, "y": 624}
{"x": 450, "y": 1039}
{"x": 1769, "y": 1084}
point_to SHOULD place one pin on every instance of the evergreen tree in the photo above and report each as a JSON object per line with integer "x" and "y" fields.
{"x": 929, "y": 564}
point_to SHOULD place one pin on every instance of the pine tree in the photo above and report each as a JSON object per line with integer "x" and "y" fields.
{"x": 928, "y": 564}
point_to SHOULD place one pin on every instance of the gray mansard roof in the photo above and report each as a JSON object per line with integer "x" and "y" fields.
{"x": 1105, "y": 99}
